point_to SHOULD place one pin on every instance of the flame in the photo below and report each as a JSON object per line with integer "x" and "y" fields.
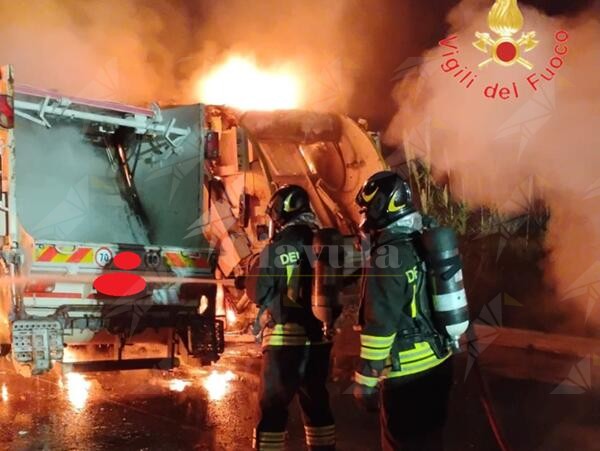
{"x": 220, "y": 301}
{"x": 505, "y": 17}
{"x": 217, "y": 384}
{"x": 178, "y": 385}
{"x": 240, "y": 83}
{"x": 69, "y": 355}
{"x": 4, "y": 393}
{"x": 231, "y": 316}
{"x": 78, "y": 390}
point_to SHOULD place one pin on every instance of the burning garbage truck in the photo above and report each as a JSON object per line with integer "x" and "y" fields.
{"x": 125, "y": 225}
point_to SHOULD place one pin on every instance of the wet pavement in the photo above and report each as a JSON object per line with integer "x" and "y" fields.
{"x": 214, "y": 408}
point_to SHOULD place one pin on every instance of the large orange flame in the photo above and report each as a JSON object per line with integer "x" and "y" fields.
{"x": 240, "y": 83}
{"x": 217, "y": 384}
{"x": 78, "y": 390}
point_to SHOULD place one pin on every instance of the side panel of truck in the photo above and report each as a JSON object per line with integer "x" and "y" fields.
{"x": 7, "y": 226}
{"x": 67, "y": 189}
{"x": 171, "y": 189}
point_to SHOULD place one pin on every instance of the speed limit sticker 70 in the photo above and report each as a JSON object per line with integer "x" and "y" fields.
{"x": 103, "y": 256}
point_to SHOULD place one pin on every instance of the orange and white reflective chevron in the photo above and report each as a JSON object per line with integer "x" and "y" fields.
{"x": 181, "y": 260}
{"x": 50, "y": 254}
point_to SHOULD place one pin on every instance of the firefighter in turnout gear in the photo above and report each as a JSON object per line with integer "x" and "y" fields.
{"x": 295, "y": 353}
{"x": 405, "y": 364}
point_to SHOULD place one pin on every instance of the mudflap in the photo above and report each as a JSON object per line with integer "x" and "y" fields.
{"x": 36, "y": 343}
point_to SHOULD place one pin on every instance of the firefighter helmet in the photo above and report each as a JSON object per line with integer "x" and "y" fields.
{"x": 383, "y": 199}
{"x": 287, "y": 203}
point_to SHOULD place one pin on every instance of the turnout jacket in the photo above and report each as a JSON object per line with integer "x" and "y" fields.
{"x": 398, "y": 337}
{"x": 280, "y": 283}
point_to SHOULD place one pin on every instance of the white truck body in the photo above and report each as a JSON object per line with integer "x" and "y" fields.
{"x": 85, "y": 180}
{"x": 183, "y": 188}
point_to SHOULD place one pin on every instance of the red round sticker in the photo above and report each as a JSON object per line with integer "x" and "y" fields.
{"x": 120, "y": 284}
{"x": 127, "y": 260}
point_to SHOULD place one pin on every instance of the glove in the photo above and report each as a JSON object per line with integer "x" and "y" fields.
{"x": 366, "y": 397}
{"x": 263, "y": 320}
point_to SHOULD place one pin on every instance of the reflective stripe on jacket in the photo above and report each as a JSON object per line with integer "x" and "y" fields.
{"x": 411, "y": 361}
{"x": 289, "y": 334}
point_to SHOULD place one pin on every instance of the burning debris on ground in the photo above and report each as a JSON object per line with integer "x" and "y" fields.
{"x": 212, "y": 208}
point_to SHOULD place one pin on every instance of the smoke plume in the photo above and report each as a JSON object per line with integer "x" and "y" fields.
{"x": 119, "y": 50}
{"x": 319, "y": 43}
{"x": 137, "y": 52}
{"x": 543, "y": 143}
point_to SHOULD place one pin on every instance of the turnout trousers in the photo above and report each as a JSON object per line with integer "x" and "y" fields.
{"x": 287, "y": 371}
{"x": 413, "y": 410}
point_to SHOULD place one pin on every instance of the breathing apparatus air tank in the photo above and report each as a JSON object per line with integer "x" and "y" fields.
{"x": 445, "y": 279}
{"x": 327, "y": 277}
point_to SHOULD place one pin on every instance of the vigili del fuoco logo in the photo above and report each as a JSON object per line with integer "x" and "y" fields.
{"x": 505, "y": 48}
